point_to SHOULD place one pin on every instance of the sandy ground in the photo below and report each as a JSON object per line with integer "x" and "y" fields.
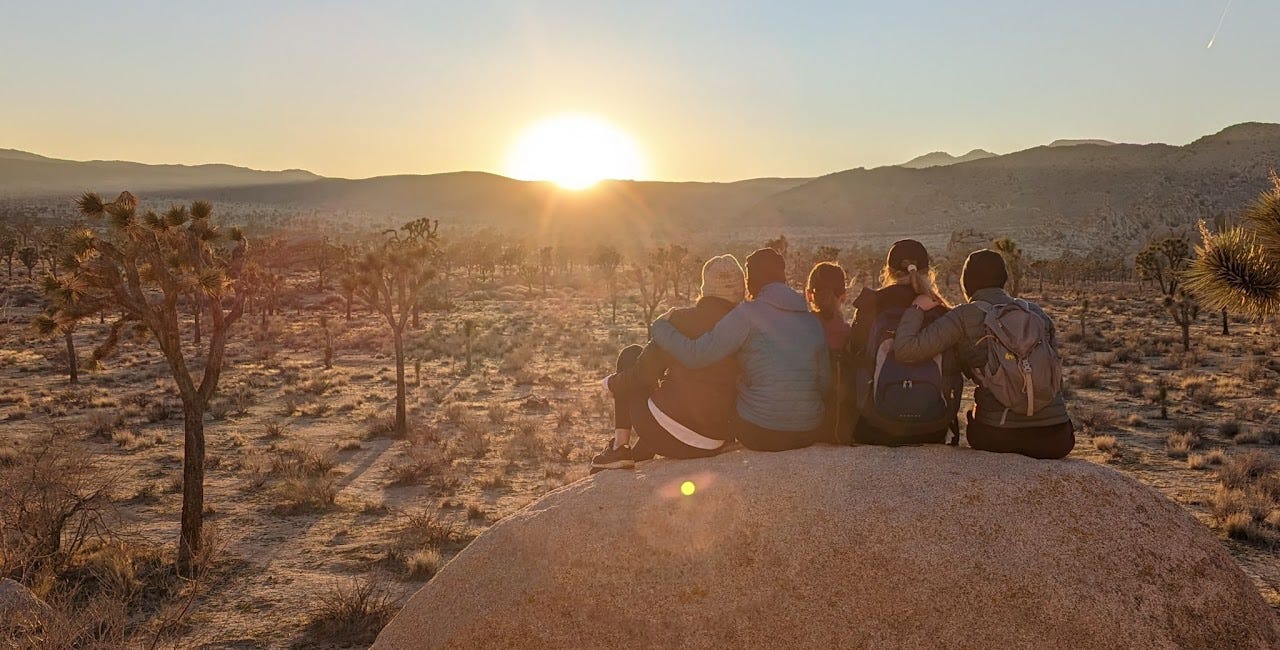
{"x": 524, "y": 419}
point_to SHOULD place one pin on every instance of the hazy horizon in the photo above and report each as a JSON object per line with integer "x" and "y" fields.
{"x": 713, "y": 92}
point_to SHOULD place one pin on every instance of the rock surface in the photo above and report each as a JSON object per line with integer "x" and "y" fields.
{"x": 848, "y": 547}
{"x": 18, "y": 606}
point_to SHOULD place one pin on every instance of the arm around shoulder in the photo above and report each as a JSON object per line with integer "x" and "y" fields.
{"x": 723, "y": 340}
{"x": 914, "y": 342}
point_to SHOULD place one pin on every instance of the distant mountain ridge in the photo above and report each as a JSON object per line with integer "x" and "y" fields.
{"x": 24, "y": 173}
{"x": 1073, "y": 143}
{"x": 942, "y": 159}
{"x": 1074, "y": 195}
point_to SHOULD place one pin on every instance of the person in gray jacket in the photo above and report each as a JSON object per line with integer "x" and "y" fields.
{"x": 1047, "y": 433}
{"x": 782, "y": 354}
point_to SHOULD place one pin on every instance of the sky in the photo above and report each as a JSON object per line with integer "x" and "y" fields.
{"x": 709, "y": 90}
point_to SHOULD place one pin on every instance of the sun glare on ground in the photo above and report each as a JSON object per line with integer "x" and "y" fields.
{"x": 575, "y": 151}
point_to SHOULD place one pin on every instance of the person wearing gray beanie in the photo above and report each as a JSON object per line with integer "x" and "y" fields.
{"x": 781, "y": 349}
{"x": 673, "y": 410}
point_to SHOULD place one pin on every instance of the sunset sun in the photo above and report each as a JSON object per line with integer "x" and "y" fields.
{"x": 575, "y": 151}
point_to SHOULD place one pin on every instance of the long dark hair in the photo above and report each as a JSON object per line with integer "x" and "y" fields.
{"x": 824, "y": 289}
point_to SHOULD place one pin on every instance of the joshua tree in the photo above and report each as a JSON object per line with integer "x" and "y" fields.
{"x": 1238, "y": 269}
{"x": 652, "y": 283}
{"x": 1166, "y": 261}
{"x": 780, "y": 244}
{"x": 323, "y": 255}
{"x": 672, "y": 261}
{"x": 393, "y": 280}
{"x": 146, "y": 264}
{"x": 29, "y": 256}
{"x": 72, "y": 297}
{"x": 1012, "y": 255}
{"x": 8, "y": 247}
{"x": 608, "y": 259}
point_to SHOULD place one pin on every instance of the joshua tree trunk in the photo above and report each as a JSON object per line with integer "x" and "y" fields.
{"x": 401, "y": 418}
{"x": 197, "y": 305}
{"x": 1226, "y": 330}
{"x": 71, "y": 357}
{"x": 189, "y": 540}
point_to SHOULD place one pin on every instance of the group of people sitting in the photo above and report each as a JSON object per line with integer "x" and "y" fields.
{"x": 758, "y": 362}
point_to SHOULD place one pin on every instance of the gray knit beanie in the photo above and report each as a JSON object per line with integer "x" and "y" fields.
{"x": 722, "y": 277}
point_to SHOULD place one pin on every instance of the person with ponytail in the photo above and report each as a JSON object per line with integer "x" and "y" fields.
{"x": 825, "y": 291}
{"x": 907, "y": 273}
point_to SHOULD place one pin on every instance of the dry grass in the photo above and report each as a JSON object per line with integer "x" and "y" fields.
{"x": 1180, "y": 445}
{"x": 1107, "y": 445}
{"x": 352, "y": 612}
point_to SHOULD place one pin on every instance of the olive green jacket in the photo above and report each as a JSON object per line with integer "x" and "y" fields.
{"x": 962, "y": 330}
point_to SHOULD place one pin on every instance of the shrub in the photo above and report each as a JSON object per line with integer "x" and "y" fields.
{"x": 103, "y": 423}
{"x": 1179, "y": 445}
{"x": 352, "y": 613}
{"x": 1093, "y": 418}
{"x": 497, "y": 415}
{"x": 1086, "y": 378}
{"x": 1107, "y": 445}
{"x": 303, "y": 494}
{"x": 425, "y": 529}
{"x": 1229, "y": 429}
{"x": 55, "y": 499}
{"x": 422, "y": 564}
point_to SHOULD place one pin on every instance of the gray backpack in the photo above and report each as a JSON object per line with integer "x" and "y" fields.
{"x": 1023, "y": 370}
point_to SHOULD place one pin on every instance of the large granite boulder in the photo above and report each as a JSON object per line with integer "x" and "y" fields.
{"x": 844, "y": 547}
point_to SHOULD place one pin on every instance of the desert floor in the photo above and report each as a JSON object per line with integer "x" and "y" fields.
{"x": 307, "y": 492}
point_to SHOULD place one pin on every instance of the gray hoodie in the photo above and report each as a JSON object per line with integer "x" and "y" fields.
{"x": 781, "y": 350}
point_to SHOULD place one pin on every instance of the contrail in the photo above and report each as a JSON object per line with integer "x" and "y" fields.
{"x": 1221, "y": 19}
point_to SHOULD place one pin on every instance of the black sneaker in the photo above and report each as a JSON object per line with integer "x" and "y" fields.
{"x": 611, "y": 458}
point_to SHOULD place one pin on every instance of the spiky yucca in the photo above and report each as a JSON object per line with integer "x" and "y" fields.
{"x": 1238, "y": 269}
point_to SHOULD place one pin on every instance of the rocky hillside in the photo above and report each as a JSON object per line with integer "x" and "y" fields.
{"x": 1074, "y": 196}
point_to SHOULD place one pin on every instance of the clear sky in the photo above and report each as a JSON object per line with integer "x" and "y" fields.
{"x": 710, "y": 90}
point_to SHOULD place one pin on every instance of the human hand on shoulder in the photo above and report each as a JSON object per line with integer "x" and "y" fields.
{"x": 925, "y": 302}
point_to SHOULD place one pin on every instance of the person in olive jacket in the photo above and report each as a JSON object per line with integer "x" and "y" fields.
{"x": 1047, "y": 433}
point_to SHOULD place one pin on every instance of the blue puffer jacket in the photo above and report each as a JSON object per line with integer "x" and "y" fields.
{"x": 782, "y": 353}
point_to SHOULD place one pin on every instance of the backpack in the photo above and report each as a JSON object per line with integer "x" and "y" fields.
{"x": 903, "y": 399}
{"x": 1022, "y": 370}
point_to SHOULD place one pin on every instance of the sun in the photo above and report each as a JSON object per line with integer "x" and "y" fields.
{"x": 575, "y": 151}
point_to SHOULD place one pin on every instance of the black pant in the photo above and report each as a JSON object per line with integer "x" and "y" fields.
{"x": 1054, "y": 441}
{"x": 865, "y": 434}
{"x": 631, "y": 411}
{"x": 758, "y": 438}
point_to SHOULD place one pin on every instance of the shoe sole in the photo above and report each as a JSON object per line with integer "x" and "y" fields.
{"x": 617, "y": 464}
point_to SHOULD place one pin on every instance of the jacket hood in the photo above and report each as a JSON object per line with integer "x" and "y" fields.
{"x": 780, "y": 296}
